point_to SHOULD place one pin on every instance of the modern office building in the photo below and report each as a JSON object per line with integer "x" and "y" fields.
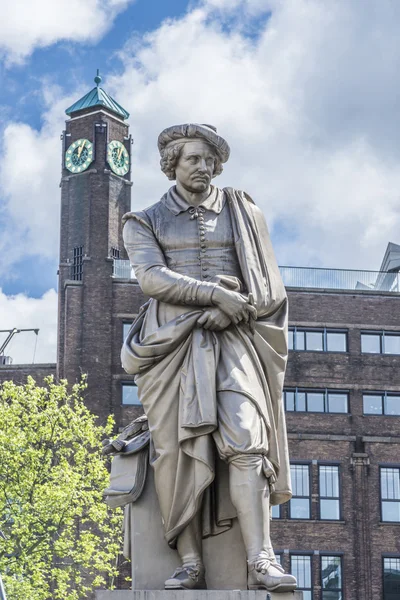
{"x": 340, "y": 534}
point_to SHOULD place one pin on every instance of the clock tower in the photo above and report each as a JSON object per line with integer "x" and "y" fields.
{"x": 95, "y": 193}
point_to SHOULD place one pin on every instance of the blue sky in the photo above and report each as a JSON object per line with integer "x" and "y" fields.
{"x": 66, "y": 65}
{"x": 306, "y": 93}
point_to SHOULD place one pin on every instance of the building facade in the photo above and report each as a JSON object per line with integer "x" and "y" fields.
{"x": 340, "y": 534}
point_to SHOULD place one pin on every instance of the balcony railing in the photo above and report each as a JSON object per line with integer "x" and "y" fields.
{"x": 340, "y": 279}
{"x": 312, "y": 278}
{"x": 122, "y": 269}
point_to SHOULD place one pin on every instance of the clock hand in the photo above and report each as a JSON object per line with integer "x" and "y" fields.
{"x": 120, "y": 152}
{"x": 81, "y": 148}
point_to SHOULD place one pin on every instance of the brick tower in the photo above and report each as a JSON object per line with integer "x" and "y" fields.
{"x": 95, "y": 193}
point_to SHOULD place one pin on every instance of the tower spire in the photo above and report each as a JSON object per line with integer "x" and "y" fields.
{"x": 97, "y": 79}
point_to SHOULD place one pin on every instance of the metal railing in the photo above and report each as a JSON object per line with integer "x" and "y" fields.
{"x": 340, "y": 279}
{"x": 122, "y": 269}
{"x": 311, "y": 277}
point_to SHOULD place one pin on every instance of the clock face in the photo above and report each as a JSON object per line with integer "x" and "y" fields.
{"x": 118, "y": 157}
{"x": 79, "y": 156}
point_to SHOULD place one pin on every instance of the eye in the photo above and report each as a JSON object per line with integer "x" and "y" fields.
{"x": 193, "y": 159}
{"x": 210, "y": 161}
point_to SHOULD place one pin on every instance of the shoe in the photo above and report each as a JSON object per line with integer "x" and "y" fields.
{"x": 266, "y": 575}
{"x": 187, "y": 577}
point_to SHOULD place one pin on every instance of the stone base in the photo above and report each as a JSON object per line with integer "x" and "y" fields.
{"x": 153, "y": 562}
{"x": 196, "y": 595}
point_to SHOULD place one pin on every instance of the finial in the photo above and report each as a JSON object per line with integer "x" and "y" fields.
{"x": 97, "y": 79}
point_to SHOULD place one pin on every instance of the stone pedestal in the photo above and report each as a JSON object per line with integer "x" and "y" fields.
{"x": 153, "y": 561}
{"x": 196, "y": 595}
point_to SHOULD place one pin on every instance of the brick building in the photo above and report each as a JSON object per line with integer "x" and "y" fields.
{"x": 340, "y": 534}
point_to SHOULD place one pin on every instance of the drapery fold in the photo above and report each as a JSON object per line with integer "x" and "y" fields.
{"x": 176, "y": 362}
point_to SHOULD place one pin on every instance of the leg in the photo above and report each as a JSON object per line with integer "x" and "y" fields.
{"x": 190, "y": 542}
{"x": 189, "y": 545}
{"x": 242, "y": 441}
{"x": 249, "y": 492}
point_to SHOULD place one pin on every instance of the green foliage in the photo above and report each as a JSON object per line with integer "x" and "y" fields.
{"x": 61, "y": 539}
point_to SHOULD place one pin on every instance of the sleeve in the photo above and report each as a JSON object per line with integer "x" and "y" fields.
{"x": 155, "y": 278}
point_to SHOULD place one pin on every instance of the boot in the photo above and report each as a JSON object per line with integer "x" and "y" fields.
{"x": 187, "y": 577}
{"x": 266, "y": 575}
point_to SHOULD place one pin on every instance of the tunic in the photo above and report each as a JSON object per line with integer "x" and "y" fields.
{"x": 180, "y": 253}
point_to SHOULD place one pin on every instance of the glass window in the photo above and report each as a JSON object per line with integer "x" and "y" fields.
{"x": 315, "y": 340}
{"x": 299, "y": 340}
{"x": 338, "y": 402}
{"x": 315, "y": 402}
{"x": 289, "y": 400}
{"x": 130, "y": 394}
{"x": 392, "y": 405}
{"x": 391, "y": 578}
{"x": 290, "y": 339}
{"x": 300, "y": 402}
{"x": 372, "y": 404}
{"x": 77, "y": 263}
{"x": 331, "y": 578}
{"x": 390, "y": 494}
{"x": 278, "y": 557}
{"x": 371, "y": 343}
{"x": 391, "y": 344}
{"x": 300, "y": 502}
{"x": 336, "y": 341}
{"x": 126, "y": 327}
{"x": 381, "y": 404}
{"x": 329, "y": 502}
{"x": 275, "y": 511}
{"x": 300, "y": 567}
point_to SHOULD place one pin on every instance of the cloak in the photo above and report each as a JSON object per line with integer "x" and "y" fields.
{"x": 175, "y": 364}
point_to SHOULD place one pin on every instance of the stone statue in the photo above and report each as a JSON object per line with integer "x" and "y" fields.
{"x": 209, "y": 352}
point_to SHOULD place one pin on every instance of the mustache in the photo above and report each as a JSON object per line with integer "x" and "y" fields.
{"x": 200, "y": 176}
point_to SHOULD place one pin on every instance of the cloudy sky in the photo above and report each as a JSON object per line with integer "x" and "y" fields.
{"x": 307, "y": 92}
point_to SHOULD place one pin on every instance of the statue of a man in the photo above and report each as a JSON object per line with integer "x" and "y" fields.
{"x": 209, "y": 353}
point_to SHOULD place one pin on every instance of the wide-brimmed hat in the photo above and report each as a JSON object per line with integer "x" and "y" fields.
{"x": 190, "y": 131}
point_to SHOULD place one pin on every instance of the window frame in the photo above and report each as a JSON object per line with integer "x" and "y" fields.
{"x": 338, "y": 498}
{"x": 382, "y": 333}
{"x": 77, "y": 263}
{"x": 279, "y": 507}
{"x": 386, "y": 556}
{"x": 325, "y": 331}
{"x": 307, "y": 464}
{"x": 130, "y": 383}
{"x": 332, "y": 555}
{"x": 310, "y": 555}
{"x": 323, "y": 391}
{"x": 125, "y": 322}
{"x": 384, "y": 395}
{"x": 387, "y": 466}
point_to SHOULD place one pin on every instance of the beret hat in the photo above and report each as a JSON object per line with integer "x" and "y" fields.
{"x": 190, "y": 131}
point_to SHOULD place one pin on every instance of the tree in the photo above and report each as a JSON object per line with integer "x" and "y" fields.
{"x": 61, "y": 539}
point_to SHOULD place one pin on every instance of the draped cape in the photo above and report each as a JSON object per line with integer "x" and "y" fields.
{"x": 175, "y": 364}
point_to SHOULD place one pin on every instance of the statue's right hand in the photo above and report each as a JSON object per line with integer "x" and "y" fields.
{"x": 236, "y": 306}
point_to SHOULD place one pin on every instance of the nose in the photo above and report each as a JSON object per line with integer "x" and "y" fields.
{"x": 202, "y": 166}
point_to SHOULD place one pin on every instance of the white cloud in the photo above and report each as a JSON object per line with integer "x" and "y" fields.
{"x": 30, "y": 172}
{"x": 26, "y": 25}
{"x": 309, "y": 107}
{"x": 23, "y": 312}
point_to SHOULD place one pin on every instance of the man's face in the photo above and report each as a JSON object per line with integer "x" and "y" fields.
{"x": 195, "y": 166}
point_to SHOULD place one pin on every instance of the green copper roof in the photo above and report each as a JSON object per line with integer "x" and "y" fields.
{"x": 98, "y": 97}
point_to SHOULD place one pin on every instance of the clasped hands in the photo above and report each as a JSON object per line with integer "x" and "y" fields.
{"x": 230, "y": 307}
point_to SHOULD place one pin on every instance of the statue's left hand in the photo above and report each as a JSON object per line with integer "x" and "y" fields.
{"x": 214, "y": 319}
